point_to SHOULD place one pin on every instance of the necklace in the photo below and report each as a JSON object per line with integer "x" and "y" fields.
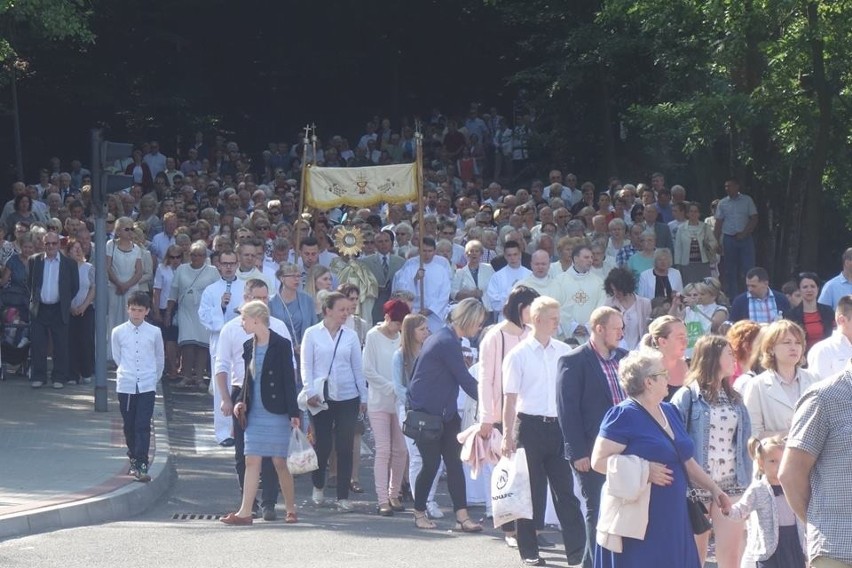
{"x": 665, "y": 422}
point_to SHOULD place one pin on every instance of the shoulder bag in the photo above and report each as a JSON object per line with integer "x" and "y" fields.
{"x": 695, "y": 508}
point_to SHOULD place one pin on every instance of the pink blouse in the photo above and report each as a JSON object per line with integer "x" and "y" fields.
{"x": 492, "y": 350}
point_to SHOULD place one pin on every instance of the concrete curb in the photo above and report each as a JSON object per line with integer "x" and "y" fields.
{"x": 128, "y": 501}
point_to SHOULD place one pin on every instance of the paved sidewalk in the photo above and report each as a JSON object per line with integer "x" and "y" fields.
{"x": 64, "y": 465}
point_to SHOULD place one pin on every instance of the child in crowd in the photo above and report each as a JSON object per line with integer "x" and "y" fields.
{"x": 134, "y": 343}
{"x": 775, "y": 537}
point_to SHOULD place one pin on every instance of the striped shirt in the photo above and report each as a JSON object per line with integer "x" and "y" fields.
{"x": 610, "y": 369}
{"x": 762, "y": 310}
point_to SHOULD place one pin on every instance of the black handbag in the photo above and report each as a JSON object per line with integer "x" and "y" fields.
{"x": 697, "y": 515}
{"x": 422, "y": 427}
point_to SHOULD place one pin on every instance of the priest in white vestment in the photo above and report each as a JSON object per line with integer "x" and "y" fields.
{"x": 583, "y": 293}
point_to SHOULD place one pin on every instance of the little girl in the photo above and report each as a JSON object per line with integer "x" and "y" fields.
{"x": 775, "y": 537}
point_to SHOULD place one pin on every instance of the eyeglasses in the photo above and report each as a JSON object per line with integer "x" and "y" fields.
{"x": 175, "y": 256}
{"x": 127, "y": 229}
{"x": 227, "y": 264}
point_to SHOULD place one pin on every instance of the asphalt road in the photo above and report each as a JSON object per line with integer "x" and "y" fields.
{"x": 207, "y": 487}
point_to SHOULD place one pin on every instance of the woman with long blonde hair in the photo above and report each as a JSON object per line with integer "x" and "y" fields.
{"x": 414, "y": 331}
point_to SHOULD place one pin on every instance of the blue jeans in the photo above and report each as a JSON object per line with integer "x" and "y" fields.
{"x": 136, "y": 412}
{"x": 738, "y": 259}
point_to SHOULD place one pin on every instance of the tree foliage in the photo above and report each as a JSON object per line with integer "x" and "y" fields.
{"x": 708, "y": 89}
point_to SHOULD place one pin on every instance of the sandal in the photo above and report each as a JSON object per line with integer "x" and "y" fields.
{"x": 468, "y": 526}
{"x": 421, "y": 521}
{"x": 355, "y": 487}
{"x": 291, "y": 518}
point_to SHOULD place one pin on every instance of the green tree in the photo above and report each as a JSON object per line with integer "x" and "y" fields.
{"x": 753, "y": 88}
{"x": 25, "y": 23}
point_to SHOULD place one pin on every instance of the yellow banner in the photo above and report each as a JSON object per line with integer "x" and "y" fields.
{"x": 360, "y": 187}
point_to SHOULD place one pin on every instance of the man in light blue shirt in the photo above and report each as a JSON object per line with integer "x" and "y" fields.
{"x": 840, "y": 285}
{"x": 736, "y": 220}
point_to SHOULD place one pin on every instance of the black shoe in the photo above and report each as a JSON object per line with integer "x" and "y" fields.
{"x": 142, "y": 473}
{"x": 227, "y": 443}
{"x": 385, "y": 510}
{"x": 543, "y": 542}
{"x": 537, "y": 561}
{"x": 269, "y": 513}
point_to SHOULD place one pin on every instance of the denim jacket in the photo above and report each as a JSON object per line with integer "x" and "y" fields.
{"x": 699, "y": 430}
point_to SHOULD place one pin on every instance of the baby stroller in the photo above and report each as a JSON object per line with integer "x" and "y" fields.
{"x": 15, "y": 328}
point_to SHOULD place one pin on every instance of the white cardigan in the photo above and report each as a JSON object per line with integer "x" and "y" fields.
{"x": 647, "y": 282}
{"x": 758, "y": 504}
{"x": 625, "y": 498}
{"x": 463, "y": 279}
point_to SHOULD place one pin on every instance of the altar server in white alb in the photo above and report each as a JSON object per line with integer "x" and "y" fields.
{"x": 218, "y": 306}
{"x": 505, "y": 279}
{"x": 541, "y": 280}
{"x": 436, "y": 284}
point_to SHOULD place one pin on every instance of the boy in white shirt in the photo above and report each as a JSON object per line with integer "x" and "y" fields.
{"x": 133, "y": 344}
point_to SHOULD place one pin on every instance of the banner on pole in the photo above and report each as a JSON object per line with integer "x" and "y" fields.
{"x": 360, "y": 187}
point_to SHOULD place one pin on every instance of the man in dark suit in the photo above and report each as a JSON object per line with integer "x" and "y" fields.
{"x": 53, "y": 281}
{"x": 384, "y": 264}
{"x": 587, "y": 387}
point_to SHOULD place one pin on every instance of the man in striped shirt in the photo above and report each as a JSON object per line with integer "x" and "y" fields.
{"x": 587, "y": 387}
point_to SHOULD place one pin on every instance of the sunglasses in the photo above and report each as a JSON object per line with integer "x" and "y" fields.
{"x": 175, "y": 256}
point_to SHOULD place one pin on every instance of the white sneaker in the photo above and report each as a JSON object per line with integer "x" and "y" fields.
{"x": 58, "y": 385}
{"x": 36, "y": 384}
{"x": 344, "y": 505}
{"x": 317, "y": 496}
{"x": 434, "y": 511}
{"x": 24, "y": 342}
{"x": 87, "y": 380}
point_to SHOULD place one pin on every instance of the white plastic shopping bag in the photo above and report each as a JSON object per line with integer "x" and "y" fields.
{"x": 301, "y": 457}
{"x": 511, "y": 497}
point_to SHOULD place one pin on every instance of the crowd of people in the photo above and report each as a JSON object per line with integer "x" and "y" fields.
{"x": 622, "y": 336}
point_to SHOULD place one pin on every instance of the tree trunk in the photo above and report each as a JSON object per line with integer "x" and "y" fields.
{"x": 813, "y": 202}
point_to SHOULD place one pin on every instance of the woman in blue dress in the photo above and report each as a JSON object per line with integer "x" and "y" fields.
{"x": 268, "y": 407}
{"x": 645, "y": 426}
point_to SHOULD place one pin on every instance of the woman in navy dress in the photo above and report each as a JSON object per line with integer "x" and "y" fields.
{"x": 269, "y": 407}
{"x": 645, "y": 426}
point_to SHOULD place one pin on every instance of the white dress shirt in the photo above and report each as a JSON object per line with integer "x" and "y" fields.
{"x": 50, "y": 280}
{"x": 830, "y": 356}
{"x": 229, "y": 349}
{"x": 530, "y": 370}
{"x": 132, "y": 348}
{"x": 346, "y": 379}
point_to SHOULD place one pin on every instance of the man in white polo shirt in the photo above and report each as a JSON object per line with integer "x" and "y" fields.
{"x": 830, "y": 356}
{"x": 529, "y": 394}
